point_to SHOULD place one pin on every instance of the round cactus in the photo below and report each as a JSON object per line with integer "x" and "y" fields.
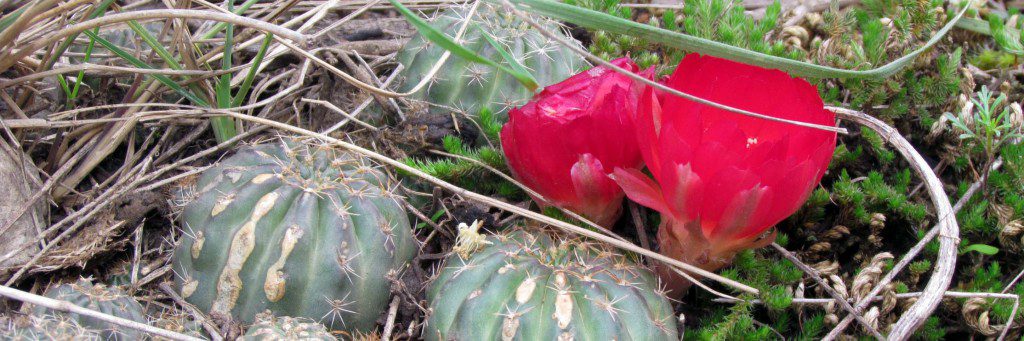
{"x": 468, "y": 87}
{"x": 545, "y": 286}
{"x": 98, "y": 297}
{"x": 299, "y": 230}
{"x": 269, "y": 327}
{"x": 48, "y": 327}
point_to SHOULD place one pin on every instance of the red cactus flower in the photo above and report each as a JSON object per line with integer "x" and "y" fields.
{"x": 565, "y": 142}
{"x": 721, "y": 179}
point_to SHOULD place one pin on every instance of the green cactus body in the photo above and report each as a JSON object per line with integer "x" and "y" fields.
{"x": 269, "y": 327}
{"x": 298, "y": 230}
{"x": 544, "y": 286}
{"x": 107, "y": 300}
{"x": 468, "y": 87}
{"x": 49, "y": 327}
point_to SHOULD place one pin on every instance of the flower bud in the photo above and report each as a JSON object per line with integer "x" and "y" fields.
{"x": 966, "y": 115}
{"x": 565, "y": 142}
{"x": 1016, "y": 116}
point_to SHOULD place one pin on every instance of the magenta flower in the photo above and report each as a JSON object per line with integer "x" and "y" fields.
{"x": 565, "y": 142}
{"x": 721, "y": 179}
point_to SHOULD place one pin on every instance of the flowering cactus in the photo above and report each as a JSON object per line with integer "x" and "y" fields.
{"x": 722, "y": 179}
{"x": 565, "y": 142}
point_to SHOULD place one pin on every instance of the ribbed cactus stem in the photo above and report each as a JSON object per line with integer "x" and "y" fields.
{"x": 545, "y": 286}
{"x": 303, "y": 231}
{"x": 467, "y": 87}
{"x": 101, "y": 298}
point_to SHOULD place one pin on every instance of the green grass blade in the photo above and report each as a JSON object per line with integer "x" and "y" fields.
{"x": 436, "y": 37}
{"x": 220, "y": 26}
{"x": 154, "y": 44}
{"x": 979, "y": 26}
{"x": 64, "y": 86}
{"x": 224, "y": 80}
{"x": 521, "y": 73}
{"x": 9, "y": 19}
{"x": 72, "y": 92}
{"x": 597, "y": 20}
{"x": 81, "y": 73}
{"x": 224, "y": 127}
{"x": 64, "y": 45}
{"x": 442, "y": 40}
{"x": 243, "y": 90}
{"x": 141, "y": 64}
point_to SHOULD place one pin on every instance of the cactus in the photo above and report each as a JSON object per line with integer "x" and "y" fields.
{"x": 101, "y": 298}
{"x": 48, "y": 327}
{"x": 543, "y": 286}
{"x": 301, "y": 230}
{"x": 179, "y": 321}
{"x": 269, "y": 327}
{"x": 467, "y": 87}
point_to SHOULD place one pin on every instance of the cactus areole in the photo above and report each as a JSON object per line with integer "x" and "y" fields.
{"x": 299, "y": 230}
{"x": 545, "y": 286}
{"x": 269, "y": 327}
{"x": 467, "y": 87}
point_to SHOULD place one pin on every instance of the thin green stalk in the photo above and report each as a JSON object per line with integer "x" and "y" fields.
{"x": 612, "y": 24}
{"x": 81, "y": 73}
{"x": 249, "y": 77}
{"x": 224, "y": 127}
{"x": 155, "y": 44}
{"x": 515, "y": 65}
{"x": 162, "y": 51}
{"x": 97, "y": 11}
{"x": 220, "y": 26}
{"x": 437, "y": 37}
{"x": 141, "y": 64}
{"x": 72, "y": 94}
{"x": 6, "y": 21}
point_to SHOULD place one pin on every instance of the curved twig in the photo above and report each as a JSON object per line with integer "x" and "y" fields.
{"x": 914, "y": 251}
{"x": 948, "y": 230}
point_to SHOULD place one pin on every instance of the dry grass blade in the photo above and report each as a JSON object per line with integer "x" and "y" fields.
{"x": 8, "y": 59}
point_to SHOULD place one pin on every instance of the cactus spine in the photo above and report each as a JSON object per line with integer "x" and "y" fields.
{"x": 467, "y": 87}
{"x": 545, "y": 286}
{"x": 48, "y": 327}
{"x": 301, "y": 230}
{"x": 98, "y": 297}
